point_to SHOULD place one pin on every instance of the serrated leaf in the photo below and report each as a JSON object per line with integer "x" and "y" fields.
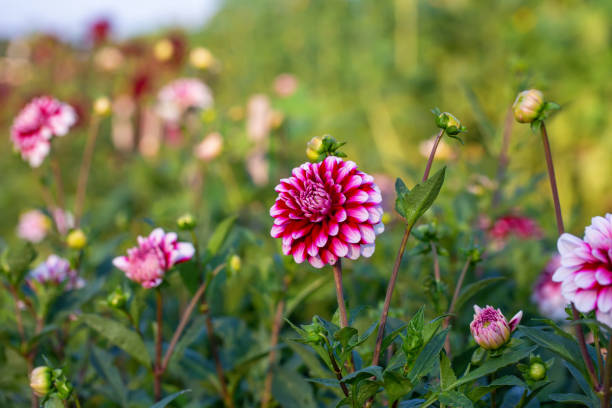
{"x": 367, "y": 372}
{"x": 455, "y": 399}
{"x": 104, "y": 361}
{"x": 471, "y": 290}
{"x": 396, "y": 386}
{"x": 428, "y": 357}
{"x": 219, "y": 235}
{"x": 16, "y": 260}
{"x": 571, "y": 399}
{"x": 447, "y": 374}
{"x": 120, "y": 336}
{"x": 53, "y": 402}
{"x": 164, "y": 402}
{"x": 414, "y": 203}
{"x": 345, "y": 335}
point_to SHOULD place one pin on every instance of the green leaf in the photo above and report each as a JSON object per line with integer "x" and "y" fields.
{"x": 119, "y": 335}
{"x": 391, "y": 336}
{"x": 396, "y": 386}
{"x": 428, "y": 357}
{"x": 477, "y": 393}
{"x": 290, "y": 389}
{"x": 455, "y": 399}
{"x": 219, "y": 235}
{"x": 345, "y": 335}
{"x": 164, "y": 402}
{"x": 16, "y": 260}
{"x": 304, "y": 293}
{"x": 367, "y": 372}
{"x": 471, "y": 290}
{"x": 118, "y": 392}
{"x": 362, "y": 391}
{"x": 562, "y": 346}
{"x": 53, "y": 402}
{"x": 414, "y": 203}
{"x": 447, "y": 374}
{"x": 494, "y": 364}
{"x": 571, "y": 399}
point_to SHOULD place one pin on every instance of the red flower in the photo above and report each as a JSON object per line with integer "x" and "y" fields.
{"x": 326, "y": 211}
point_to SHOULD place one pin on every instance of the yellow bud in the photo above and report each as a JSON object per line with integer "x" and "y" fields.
{"x": 313, "y": 148}
{"x": 386, "y": 218}
{"x": 209, "y": 115}
{"x": 186, "y": 222}
{"x": 201, "y": 58}
{"x": 76, "y": 239}
{"x": 40, "y": 381}
{"x": 163, "y": 50}
{"x": 235, "y": 263}
{"x": 102, "y": 106}
{"x": 528, "y": 105}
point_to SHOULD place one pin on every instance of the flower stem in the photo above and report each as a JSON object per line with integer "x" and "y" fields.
{"x": 85, "y": 168}
{"x": 561, "y": 230}
{"x": 227, "y": 400}
{"x": 432, "y": 155}
{"x": 276, "y": 326}
{"x": 340, "y": 294}
{"x": 337, "y": 371}
{"x": 436, "y": 262}
{"x": 451, "y": 308}
{"x": 157, "y": 372}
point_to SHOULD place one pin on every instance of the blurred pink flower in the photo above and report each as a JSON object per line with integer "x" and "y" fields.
{"x": 258, "y": 118}
{"x": 210, "y": 147}
{"x": 156, "y": 254}
{"x": 99, "y": 31}
{"x": 182, "y": 94}
{"x": 33, "y": 226}
{"x": 490, "y": 328}
{"x": 40, "y": 120}
{"x": 547, "y": 293}
{"x": 326, "y": 211}
{"x": 285, "y": 85}
{"x": 586, "y": 269}
{"x": 64, "y": 220}
{"x": 56, "y": 271}
{"x": 513, "y": 225}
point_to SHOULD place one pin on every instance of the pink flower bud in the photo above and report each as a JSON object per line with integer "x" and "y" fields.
{"x": 528, "y": 105}
{"x": 40, "y": 381}
{"x": 490, "y": 328}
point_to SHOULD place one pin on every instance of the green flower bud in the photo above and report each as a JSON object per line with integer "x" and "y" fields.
{"x": 76, "y": 239}
{"x": 315, "y": 332}
{"x": 537, "y": 371}
{"x": 313, "y": 148}
{"x": 235, "y": 263}
{"x": 528, "y": 106}
{"x": 117, "y": 299}
{"x": 186, "y": 222}
{"x": 40, "y": 381}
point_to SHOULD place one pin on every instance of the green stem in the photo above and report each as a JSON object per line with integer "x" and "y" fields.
{"x": 157, "y": 372}
{"x": 340, "y": 294}
{"x": 607, "y": 382}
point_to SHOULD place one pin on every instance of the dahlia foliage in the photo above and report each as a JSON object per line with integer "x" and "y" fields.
{"x": 326, "y": 211}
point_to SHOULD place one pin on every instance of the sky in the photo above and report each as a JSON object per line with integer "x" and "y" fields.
{"x": 70, "y": 18}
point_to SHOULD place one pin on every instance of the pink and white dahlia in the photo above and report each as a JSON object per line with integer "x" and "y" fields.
{"x": 55, "y": 271}
{"x": 326, "y": 211}
{"x": 490, "y": 328}
{"x": 586, "y": 269}
{"x": 156, "y": 254}
{"x": 547, "y": 293}
{"x": 182, "y": 94}
{"x": 40, "y": 120}
{"x": 513, "y": 225}
{"x": 33, "y": 226}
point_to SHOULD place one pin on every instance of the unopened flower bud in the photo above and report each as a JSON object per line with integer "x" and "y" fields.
{"x": 76, "y": 239}
{"x": 63, "y": 388}
{"x": 201, "y": 58}
{"x": 490, "y": 328}
{"x": 117, "y": 299}
{"x": 40, "y": 381}
{"x": 163, "y": 50}
{"x": 186, "y": 222}
{"x": 537, "y": 371}
{"x": 449, "y": 123}
{"x": 313, "y": 148}
{"x": 102, "y": 106}
{"x": 528, "y": 105}
{"x": 235, "y": 263}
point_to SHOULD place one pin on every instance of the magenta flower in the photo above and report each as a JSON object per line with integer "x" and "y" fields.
{"x": 586, "y": 269}
{"x": 40, "y": 120}
{"x": 181, "y": 95}
{"x": 490, "y": 328}
{"x": 55, "y": 271}
{"x": 326, "y": 211}
{"x": 513, "y": 225}
{"x": 547, "y": 293}
{"x": 33, "y": 226}
{"x": 156, "y": 254}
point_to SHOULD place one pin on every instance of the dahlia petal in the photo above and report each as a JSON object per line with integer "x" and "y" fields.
{"x": 379, "y": 228}
{"x": 184, "y": 252}
{"x": 338, "y": 247}
{"x": 358, "y": 197}
{"x": 367, "y": 233}
{"x": 316, "y": 262}
{"x": 604, "y": 300}
{"x": 605, "y": 318}
{"x": 157, "y": 235}
{"x": 321, "y": 238}
{"x": 354, "y": 251}
{"x": 339, "y": 215}
{"x": 603, "y": 276}
{"x": 516, "y": 319}
{"x": 367, "y": 250}
{"x": 332, "y": 228}
{"x": 121, "y": 262}
{"x": 585, "y": 300}
{"x": 312, "y": 248}
{"x": 585, "y": 279}
{"x": 374, "y": 214}
{"x": 562, "y": 273}
{"x": 277, "y": 231}
{"x": 567, "y": 243}
{"x": 328, "y": 257}
{"x": 350, "y": 233}
{"x": 299, "y": 252}
{"x": 353, "y": 182}
{"x": 358, "y": 213}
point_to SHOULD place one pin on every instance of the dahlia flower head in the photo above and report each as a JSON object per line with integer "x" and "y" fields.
{"x": 33, "y": 226}
{"x": 586, "y": 269}
{"x": 148, "y": 262}
{"x": 326, "y": 211}
{"x": 490, "y": 328}
{"x": 37, "y": 123}
{"x": 182, "y": 94}
{"x": 547, "y": 293}
{"x": 56, "y": 271}
{"x": 513, "y": 225}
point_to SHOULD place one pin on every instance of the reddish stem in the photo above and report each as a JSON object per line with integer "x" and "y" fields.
{"x": 157, "y": 372}
{"x": 432, "y": 155}
{"x": 340, "y": 294}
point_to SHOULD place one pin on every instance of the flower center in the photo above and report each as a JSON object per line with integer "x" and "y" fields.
{"x": 147, "y": 265}
{"x": 314, "y": 201}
